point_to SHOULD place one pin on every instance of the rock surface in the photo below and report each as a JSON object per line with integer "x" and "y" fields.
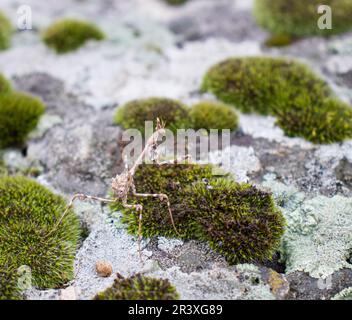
{"x": 156, "y": 50}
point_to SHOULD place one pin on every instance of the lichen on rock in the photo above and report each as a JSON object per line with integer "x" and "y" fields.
{"x": 318, "y": 235}
{"x": 345, "y": 294}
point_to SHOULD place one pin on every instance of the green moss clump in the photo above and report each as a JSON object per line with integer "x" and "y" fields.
{"x": 69, "y": 34}
{"x": 171, "y": 180}
{"x": 175, "y": 2}
{"x": 299, "y": 18}
{"x": 256, "y": 84}
{"x": 28, "y": 212}
{"x": 301, "y": 101}
{"x": 9, "y": 284}
{"x": 139, "y": 287}
{"x": 5, "y": 85}
{"x": 5, "y": 32}
{"x": 237, "y": 220}
{"x": 328, "y": 121}
{"x": 279, "y": 40}
{"x": 134, "y": 114}
{"x": 213, "y": 115}
{"x": 3, "y": 168}
{"x": 19, "y": 115}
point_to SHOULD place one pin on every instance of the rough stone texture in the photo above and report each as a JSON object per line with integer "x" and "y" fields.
{"x": 154, "y": 49}
{"x": 199, "y": 22}
{"x": 318, "y": 234}
{"x": 239, "y": 161}
{"x": 304, "y": 287}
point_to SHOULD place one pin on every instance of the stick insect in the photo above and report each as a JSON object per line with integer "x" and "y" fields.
{"x": 123, "y": 185}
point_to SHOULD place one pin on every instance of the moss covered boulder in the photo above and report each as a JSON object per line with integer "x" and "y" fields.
{"x": 175, "y": 2}
{"x": 134, "y": 114}
{"x": 171, "y": 180}
{"x": 139, "y": 287}
{"x": 258, "y": 84}
{"x": 69, "y": 35}
{"x": 237, "y": 220}
{"x": 5, "y": 85}
{"x": 5, "y": 31}
{"x": 326, "y": 121}
{"x": 302, "y": 102}
{"x": 28, "y": 214}
{"x": 213, "y": 115}
{"x": 300, "y": 18}
{"x": 19, "y": 115}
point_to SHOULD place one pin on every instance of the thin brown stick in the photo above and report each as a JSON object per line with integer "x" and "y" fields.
{"x": 140, "y": 234}
{"x": 139, "y": 209}
{"x": 81, "y": 197}
{"x": 161, "y": 196}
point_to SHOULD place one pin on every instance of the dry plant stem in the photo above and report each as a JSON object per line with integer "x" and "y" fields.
{"x": 80, "y": 197}
{"x": 123, "y": 184}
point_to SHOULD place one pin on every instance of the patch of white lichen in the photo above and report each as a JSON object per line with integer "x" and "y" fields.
{"x": 345, "y": 294}
{"x": 318, "y": 237}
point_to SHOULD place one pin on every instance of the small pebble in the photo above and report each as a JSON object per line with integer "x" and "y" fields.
{"x": 103, "y": 268}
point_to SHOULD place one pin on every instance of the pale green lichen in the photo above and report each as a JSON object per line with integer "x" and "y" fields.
{"x": 251, "y": 276}
{"x": 345, "y": 294}
{"x": 318, "y": 238}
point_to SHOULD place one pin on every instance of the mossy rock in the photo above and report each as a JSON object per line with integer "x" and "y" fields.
{"x": 5, "y": 85}
{"x": 237, "y": 220}
{"x": 171, "y": 180}
{"x": 139, "y": 287}
{"x": 9, "y": 284}
{"x": 300, "y": 18}
{"x": 213, "y": 115}
{"x": 302, "y": 102}
{"x": 3, "y": 168}
{"x": 69, "y": 35}
{"x": 28, "y": 213}
{"x": 326, "y": 121}
{"x": 19, "y": 115}
{"x": 5, "y": 32}
{"x": 175, "y": 2}
{"x": 257, "y": 84}
{"x": 134, "y": 114}
{"x": 279, "y": 40}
